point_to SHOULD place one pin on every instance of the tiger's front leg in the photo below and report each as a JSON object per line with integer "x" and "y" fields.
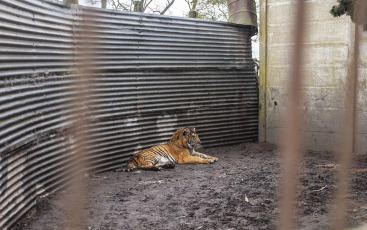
{"x": 202, "y": 155}
{"x": 195, "y": 160}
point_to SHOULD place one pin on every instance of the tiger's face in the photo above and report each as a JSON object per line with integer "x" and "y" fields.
{"x": 186, "y": 137}
{"x": 190, "y": 137}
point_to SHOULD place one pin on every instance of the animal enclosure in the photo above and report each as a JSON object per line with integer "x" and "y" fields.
{"x": 82, "y": 89}
{"x": 117, "y": 81}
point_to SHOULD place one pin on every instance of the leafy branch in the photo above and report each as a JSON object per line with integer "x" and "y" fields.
{"x": 351, "y": 8}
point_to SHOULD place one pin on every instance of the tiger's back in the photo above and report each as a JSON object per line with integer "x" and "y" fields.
{"x": 154, "y": 158}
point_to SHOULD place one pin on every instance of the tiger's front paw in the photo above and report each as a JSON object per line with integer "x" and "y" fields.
{"x": 212, "y": 160}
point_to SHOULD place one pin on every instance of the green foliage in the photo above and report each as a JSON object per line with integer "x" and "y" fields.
{"x": 351, "y": 8}
{"x": 215, "y": 10}
{"x": 344, "y": 7}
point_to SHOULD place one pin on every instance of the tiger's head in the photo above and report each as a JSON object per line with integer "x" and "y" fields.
{"x": 186, "y": 137}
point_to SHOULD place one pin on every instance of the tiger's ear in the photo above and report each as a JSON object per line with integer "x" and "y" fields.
{"x": 185, "y": 132}
{"x": 194, "y": 130}
{"x": 176, "y": 136}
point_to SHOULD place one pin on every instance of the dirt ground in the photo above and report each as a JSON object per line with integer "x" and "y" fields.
{"x": 240, "y": 191}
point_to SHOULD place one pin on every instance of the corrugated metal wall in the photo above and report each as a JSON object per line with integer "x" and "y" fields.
{"x": 153, "y": 74}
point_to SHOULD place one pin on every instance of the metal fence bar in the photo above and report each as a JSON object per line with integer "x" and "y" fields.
{"x": 292, "y": 138}
{"x": 347, "y": 135}
{"x": 86, "y": 56}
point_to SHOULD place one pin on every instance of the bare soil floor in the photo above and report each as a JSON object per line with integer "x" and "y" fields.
{"x": 240, "y": 191}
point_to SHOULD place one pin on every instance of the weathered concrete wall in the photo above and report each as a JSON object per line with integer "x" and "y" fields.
{"x": 328, "y": 52}
{"x": 361, "y": 132}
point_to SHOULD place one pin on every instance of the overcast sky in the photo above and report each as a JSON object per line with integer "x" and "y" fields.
{"x": 180, "y": 9}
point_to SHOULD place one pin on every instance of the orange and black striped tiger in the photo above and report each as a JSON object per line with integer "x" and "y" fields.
{"x": 179, "y": 150}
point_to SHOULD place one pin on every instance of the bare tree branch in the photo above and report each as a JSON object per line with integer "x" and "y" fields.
{"x": 167, "y": 7}
{"x": 188, "y": 3}
{"x": 224, "y": 12}
{"x": 150, "y": 6}
{"x": 146, "y": 5}
{"x": 114, "y": 4}
{"x": 122, "y": 6}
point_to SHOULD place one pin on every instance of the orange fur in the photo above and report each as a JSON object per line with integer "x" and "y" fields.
{"x": 179, "y": 150}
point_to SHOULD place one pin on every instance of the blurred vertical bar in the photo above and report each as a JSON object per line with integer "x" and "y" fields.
{"x": 263, "y": 70}
{"x": 347, "y": 135}
{"x": 293, "y": 125}
{"x": 80, "y": 103}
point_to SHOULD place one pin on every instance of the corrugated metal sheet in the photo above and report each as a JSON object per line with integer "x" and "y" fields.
{"x": 154, "y": 74}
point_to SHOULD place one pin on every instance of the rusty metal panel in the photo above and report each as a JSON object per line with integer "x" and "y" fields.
{"x": 153, "y": 74}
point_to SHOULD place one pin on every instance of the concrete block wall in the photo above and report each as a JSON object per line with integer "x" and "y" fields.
{"x": 328, "y": 53}
{"x": 361, "y": 132}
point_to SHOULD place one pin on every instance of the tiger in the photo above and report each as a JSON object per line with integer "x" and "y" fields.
{"x": 178, "y": 150}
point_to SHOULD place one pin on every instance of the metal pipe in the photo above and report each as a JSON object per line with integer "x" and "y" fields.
{"x": 243, "y": 12}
